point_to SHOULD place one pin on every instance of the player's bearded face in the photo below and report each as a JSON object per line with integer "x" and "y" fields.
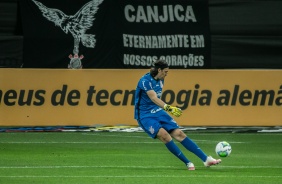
{"x": 162, "y": 73}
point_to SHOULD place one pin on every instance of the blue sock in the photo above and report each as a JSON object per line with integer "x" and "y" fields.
{"x": 171, "y": 146}
{"x": 193, "y": 147}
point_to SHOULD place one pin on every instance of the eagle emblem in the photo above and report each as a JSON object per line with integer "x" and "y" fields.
{"x": 76, "y": 24}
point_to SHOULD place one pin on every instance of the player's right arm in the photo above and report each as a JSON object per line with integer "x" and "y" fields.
{"x": 173, "y": 110}
{"x": 147, "y": 87}
{"x": 153, "y": 96}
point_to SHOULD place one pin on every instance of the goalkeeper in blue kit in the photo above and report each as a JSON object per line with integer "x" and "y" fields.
{"x": 151, "y": 114}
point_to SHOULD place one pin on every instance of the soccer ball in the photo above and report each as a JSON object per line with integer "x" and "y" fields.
{"x": 223, "y": 149}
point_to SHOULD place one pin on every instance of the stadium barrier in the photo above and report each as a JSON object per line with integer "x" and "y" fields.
{"x": 52, "y": 97}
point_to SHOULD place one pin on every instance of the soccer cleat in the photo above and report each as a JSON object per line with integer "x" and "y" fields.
{"x": 211, "y": 161}
{"x": 190, "y": 166}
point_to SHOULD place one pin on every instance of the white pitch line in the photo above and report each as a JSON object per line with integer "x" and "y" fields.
{"x": 144, "y": 167}
{"x": 146, "y": 137}
{"x": 147, "y": 176}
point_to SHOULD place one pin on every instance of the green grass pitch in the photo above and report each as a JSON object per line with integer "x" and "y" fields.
{"x": 120, "y": 157}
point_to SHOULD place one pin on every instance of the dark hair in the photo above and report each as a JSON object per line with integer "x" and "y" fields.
{"x": 156, "y": 65}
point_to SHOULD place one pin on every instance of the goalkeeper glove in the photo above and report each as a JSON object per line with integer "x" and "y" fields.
{"x": 173, "y": 110}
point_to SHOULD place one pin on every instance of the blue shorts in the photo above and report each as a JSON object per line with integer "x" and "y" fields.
{"x": 152, "y": 125}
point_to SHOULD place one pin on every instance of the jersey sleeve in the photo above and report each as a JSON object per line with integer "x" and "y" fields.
{"x": 146, "y": 85}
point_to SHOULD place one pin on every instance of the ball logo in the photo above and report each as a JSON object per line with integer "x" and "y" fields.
{"x": 223, "y": 149}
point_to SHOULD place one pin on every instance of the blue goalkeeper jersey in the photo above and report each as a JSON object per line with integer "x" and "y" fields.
{"x": 144, "y": 106}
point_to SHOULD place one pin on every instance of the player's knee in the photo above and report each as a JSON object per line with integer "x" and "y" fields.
{"x": 164, "y": 136}
{"x": 178, "y": 134}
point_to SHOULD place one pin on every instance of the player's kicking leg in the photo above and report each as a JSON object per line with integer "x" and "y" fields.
{"x": 211, "y": 161}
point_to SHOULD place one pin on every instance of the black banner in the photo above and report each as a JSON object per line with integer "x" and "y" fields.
{"x": 115, "y": 33}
